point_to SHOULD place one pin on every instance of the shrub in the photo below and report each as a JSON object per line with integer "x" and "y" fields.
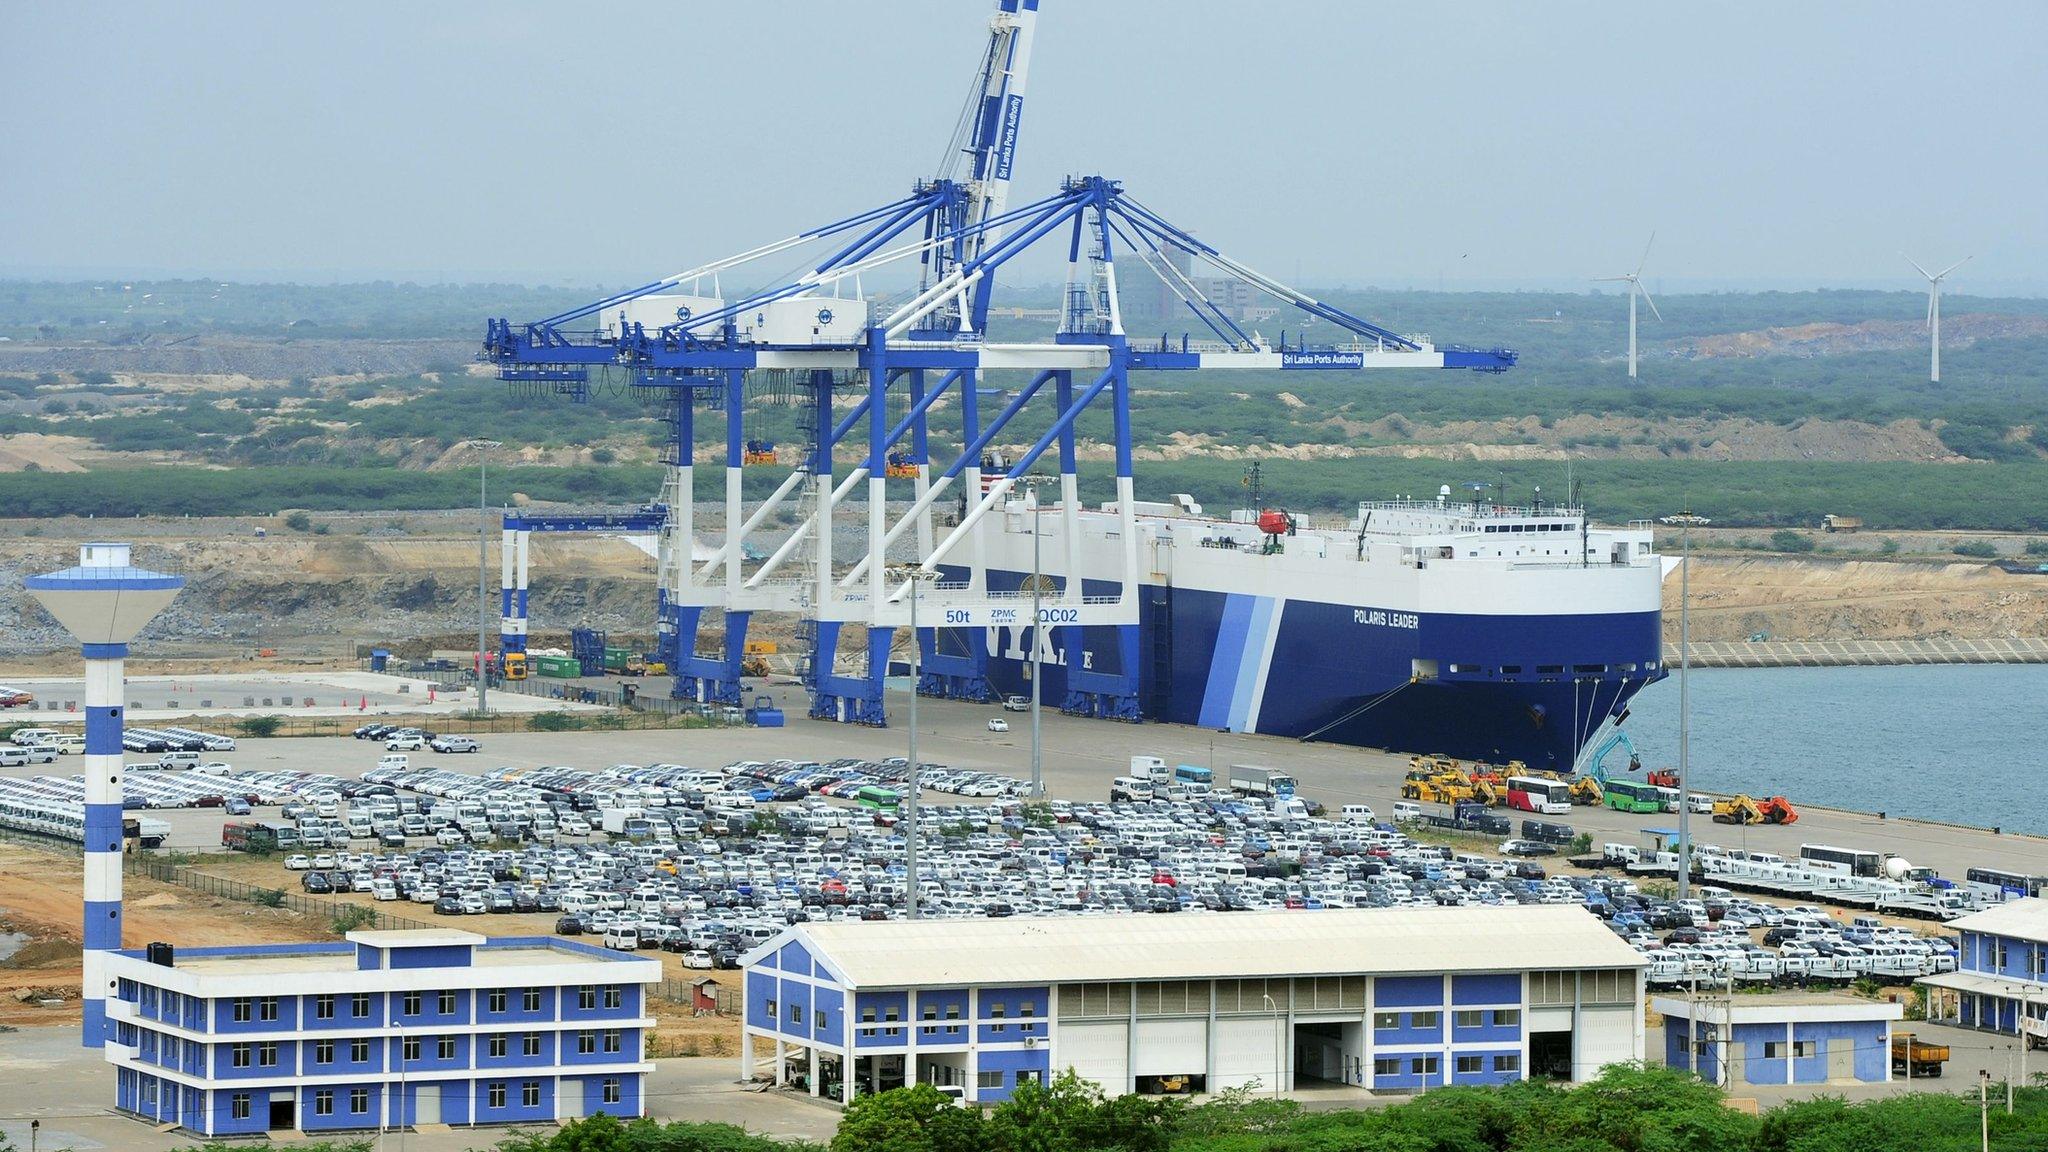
{"x": 2037, "y": 547}
{"x": 1976, "y": 549}
{"x": 1889, "y": 546}
{"x": 259, "y": 725}
{"x": 552, "y": 722}
{"x": 1786, "y": 540}
{"x": 352, "y": 917}
{"x": 298, "y": 522}
{"x": 268, "y": 897}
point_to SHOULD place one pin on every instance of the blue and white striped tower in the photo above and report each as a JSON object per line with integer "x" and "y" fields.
{"x": 103, "y": 602}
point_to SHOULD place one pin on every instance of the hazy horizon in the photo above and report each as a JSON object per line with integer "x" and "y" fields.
{"x": 1486, "y": 147}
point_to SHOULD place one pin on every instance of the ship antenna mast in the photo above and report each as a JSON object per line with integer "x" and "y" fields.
{"x": 1251, "y": 482}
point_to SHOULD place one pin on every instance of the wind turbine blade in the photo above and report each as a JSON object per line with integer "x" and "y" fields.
{"x": 1647, "y": 300}
{"x": 1646, "y": 253}
{"x": 1916, "y": 265}
{"x": 1954, "y": 266}
{"x": 1931, "y": 292}
{"x": 1610, "y": 279}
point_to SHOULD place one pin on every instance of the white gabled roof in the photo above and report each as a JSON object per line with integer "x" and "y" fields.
{"x": 2025, "y": 919}
{"x": 1374, "y": 941}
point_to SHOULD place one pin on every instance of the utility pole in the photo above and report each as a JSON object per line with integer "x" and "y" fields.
{"x": 1685, "y": 520}
{"x": 1037, "y": 639}
{"x": 483, "y": 560}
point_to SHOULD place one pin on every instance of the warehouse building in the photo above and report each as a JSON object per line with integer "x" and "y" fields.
{"x": 1383, "y": 999}
{"x": 1817, "y": 1039}
{"x": 2001, "y": 979}
{"x": 383, "y": 1030}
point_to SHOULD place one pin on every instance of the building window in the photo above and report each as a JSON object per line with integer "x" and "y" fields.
{"x": 1029, "y": 1076}
{"x": 995, "y": 1012}
{"x": 323, "y": 1006}
{"x": 1423, "y": 1066}
{"x": 499, "y": 1046}
{"x": 867, "y": 1014}
{"x": 266, "y": 1008}
{"x": 1609, "y": 986}
{"x": 1554, "y": 987}
{"x": 1468, "y": 1065}
{"x": 796, "y": 1013}
{"x": 529, "y": 1093}
{"x": 239, "y": 1056}
{"x": 952, "y": 1011}
{"x": 409, "y": 1049}
{"x": 586, "y": 1043}
{"x": 444, "y": 1047}
{"x": 358, "y": 1101}
{"x": 614, "y": 996}
{"x": 611, "y": 1040}
{"x": 323, "y": 1102}
{"x": 1386, "y": 1021}
{"x": 495, "y": 1096}
{"x": 1803, "y": 1050}
{"x": 412, "y": 1004}
{"x": 359, "y": 1051}
{"x": 238, "y": 1106}
{"x": 1469, "y": 1018}
{"x": 823, "y": 1019}
{"x": 612, "y": 1095}
{"x": 1774, "y": 1049}
{"x": 266, "y": 1055}
{"x": 496, "y": 1000}
{"x": 1507, "y": 1017}
{"x": 530, "y": 1000}
{"x": 529, "y": 1044}
{"x": 1999, "y": 953}
{"x": 989, "y": 1079}
{"x": 323, "y": 1052}
{"x": 359, "y": 1006}
{"x": 148, "y": 1092}
{"x": 1387, "y": 1066}
{"x": 242, "y": 1009}
{"x": 1509, "y": 1063}
{"x": 1425, "y": 1021}
{"x": 586, "y": 998}
{"x": 446, "y": 1004}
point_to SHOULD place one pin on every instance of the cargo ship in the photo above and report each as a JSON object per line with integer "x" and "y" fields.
{"x": 1470, "y": 627}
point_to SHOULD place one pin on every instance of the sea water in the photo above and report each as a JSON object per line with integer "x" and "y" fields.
{"x": 1966, "y": 743}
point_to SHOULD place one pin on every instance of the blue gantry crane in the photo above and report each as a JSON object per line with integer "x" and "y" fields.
{"x": 847, "y": 359}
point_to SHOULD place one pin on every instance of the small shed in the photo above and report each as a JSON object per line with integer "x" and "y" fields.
{"x": 1805, "y": 1039}
{"x": 704, "y": 996}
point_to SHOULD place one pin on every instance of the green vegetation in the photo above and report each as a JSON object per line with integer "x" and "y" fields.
{"x": 1628, "y": 1109}
{"x": 259, "y": 725}
{"x": 1977, "y": 549}
{"x": 1786, "y": 540}
{"x": 351, "y": 918}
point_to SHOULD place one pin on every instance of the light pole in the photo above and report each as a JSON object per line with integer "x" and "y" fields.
{"x": 1684, "y": 520}
{"x": 1037, "y": 637}
{"x": 1279, "y": 1025}
{"x": 483, "y": 554}
{"x": 1984, "y": 1108}
{"x": 916, "y": 575}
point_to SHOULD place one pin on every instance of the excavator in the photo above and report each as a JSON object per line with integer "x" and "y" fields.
{"x": 1746, "y": 810}
{"x": 1589, "y": 787}
{"x": 1443, "y": 789}
{"x": 1487, "y": 793}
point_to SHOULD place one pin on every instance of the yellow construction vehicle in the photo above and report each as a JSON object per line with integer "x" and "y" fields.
{"x": 758, "y": 452}
{"x": 1484, "y": 791}
{"x": 1586, "y": 790}
{"x": 1746, "y": 810}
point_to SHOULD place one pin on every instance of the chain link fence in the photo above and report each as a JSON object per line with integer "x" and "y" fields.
{"x": 327, "y": 910}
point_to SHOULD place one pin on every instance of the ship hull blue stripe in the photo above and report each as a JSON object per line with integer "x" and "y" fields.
{"x": 1226, "y": 655}
{"x": 1248, "y": 663}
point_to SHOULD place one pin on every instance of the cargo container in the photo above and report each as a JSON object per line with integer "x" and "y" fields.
{"x": 621, "y": 662}
{"x": 559, "y": 667}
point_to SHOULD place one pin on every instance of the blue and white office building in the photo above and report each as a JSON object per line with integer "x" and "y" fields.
{"x": 2001, "y": 979}
{"x": 1385, "y": 999}
{"x": 382, "y": 1030}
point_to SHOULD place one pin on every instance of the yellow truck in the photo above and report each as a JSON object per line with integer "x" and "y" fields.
{"x": 1912, "y": 1056}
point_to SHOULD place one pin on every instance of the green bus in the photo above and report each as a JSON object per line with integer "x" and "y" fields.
{"x": 1629, "y": 796}
{"x": 878, "y": 797}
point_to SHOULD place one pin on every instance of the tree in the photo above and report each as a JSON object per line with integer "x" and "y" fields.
{"x": 298, "y": 522}
{"x": 260, "y": 725}
{"x": 1039, "y": 1117}
{"x": 918, "y": 1118}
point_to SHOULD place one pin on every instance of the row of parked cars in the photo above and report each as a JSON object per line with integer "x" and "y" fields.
{"x": 398, "y": 738}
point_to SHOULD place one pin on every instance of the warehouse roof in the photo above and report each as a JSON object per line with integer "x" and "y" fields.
{"x": 2026, "y": 919}
{"x": 917, "y": 953}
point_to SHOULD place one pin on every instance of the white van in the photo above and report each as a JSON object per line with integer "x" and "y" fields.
{"x": 622, "y": 938}
{"x": 12, "y": 756}
{"x": 67, "y": 743}
{"x": 393, "y": 761}
{"x": 1356, "y": 814}
{"x": 1407, "y": 810}
{"x": 178, "y": 760}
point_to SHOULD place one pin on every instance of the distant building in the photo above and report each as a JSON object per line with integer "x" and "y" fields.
{"x": 384, "y": 1030}
{"x": 1818, "y": 1039}
{"x": 2001, "y": 979}
{"x": 1396, "y": 999}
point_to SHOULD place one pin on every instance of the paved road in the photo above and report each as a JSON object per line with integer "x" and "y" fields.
{"x": 1081, "y": 756}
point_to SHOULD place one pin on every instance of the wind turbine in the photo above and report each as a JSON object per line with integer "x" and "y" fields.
{"x": 1635, "y": 287}
{"x": 1934, "y": 309}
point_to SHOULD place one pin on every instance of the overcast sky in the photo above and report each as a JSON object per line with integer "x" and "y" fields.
{"x": 1769, "y": 144}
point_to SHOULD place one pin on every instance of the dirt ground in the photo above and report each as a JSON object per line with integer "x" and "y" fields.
{"x": 40, "y": 898}
{"x": 1810, "y": 598}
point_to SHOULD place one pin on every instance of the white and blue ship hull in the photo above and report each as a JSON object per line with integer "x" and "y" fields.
{"x": 1478, "y": 657}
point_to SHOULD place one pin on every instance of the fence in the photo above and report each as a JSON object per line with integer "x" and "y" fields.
{"x": 683, "y": 992}
{"x": 325, "y": 909}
